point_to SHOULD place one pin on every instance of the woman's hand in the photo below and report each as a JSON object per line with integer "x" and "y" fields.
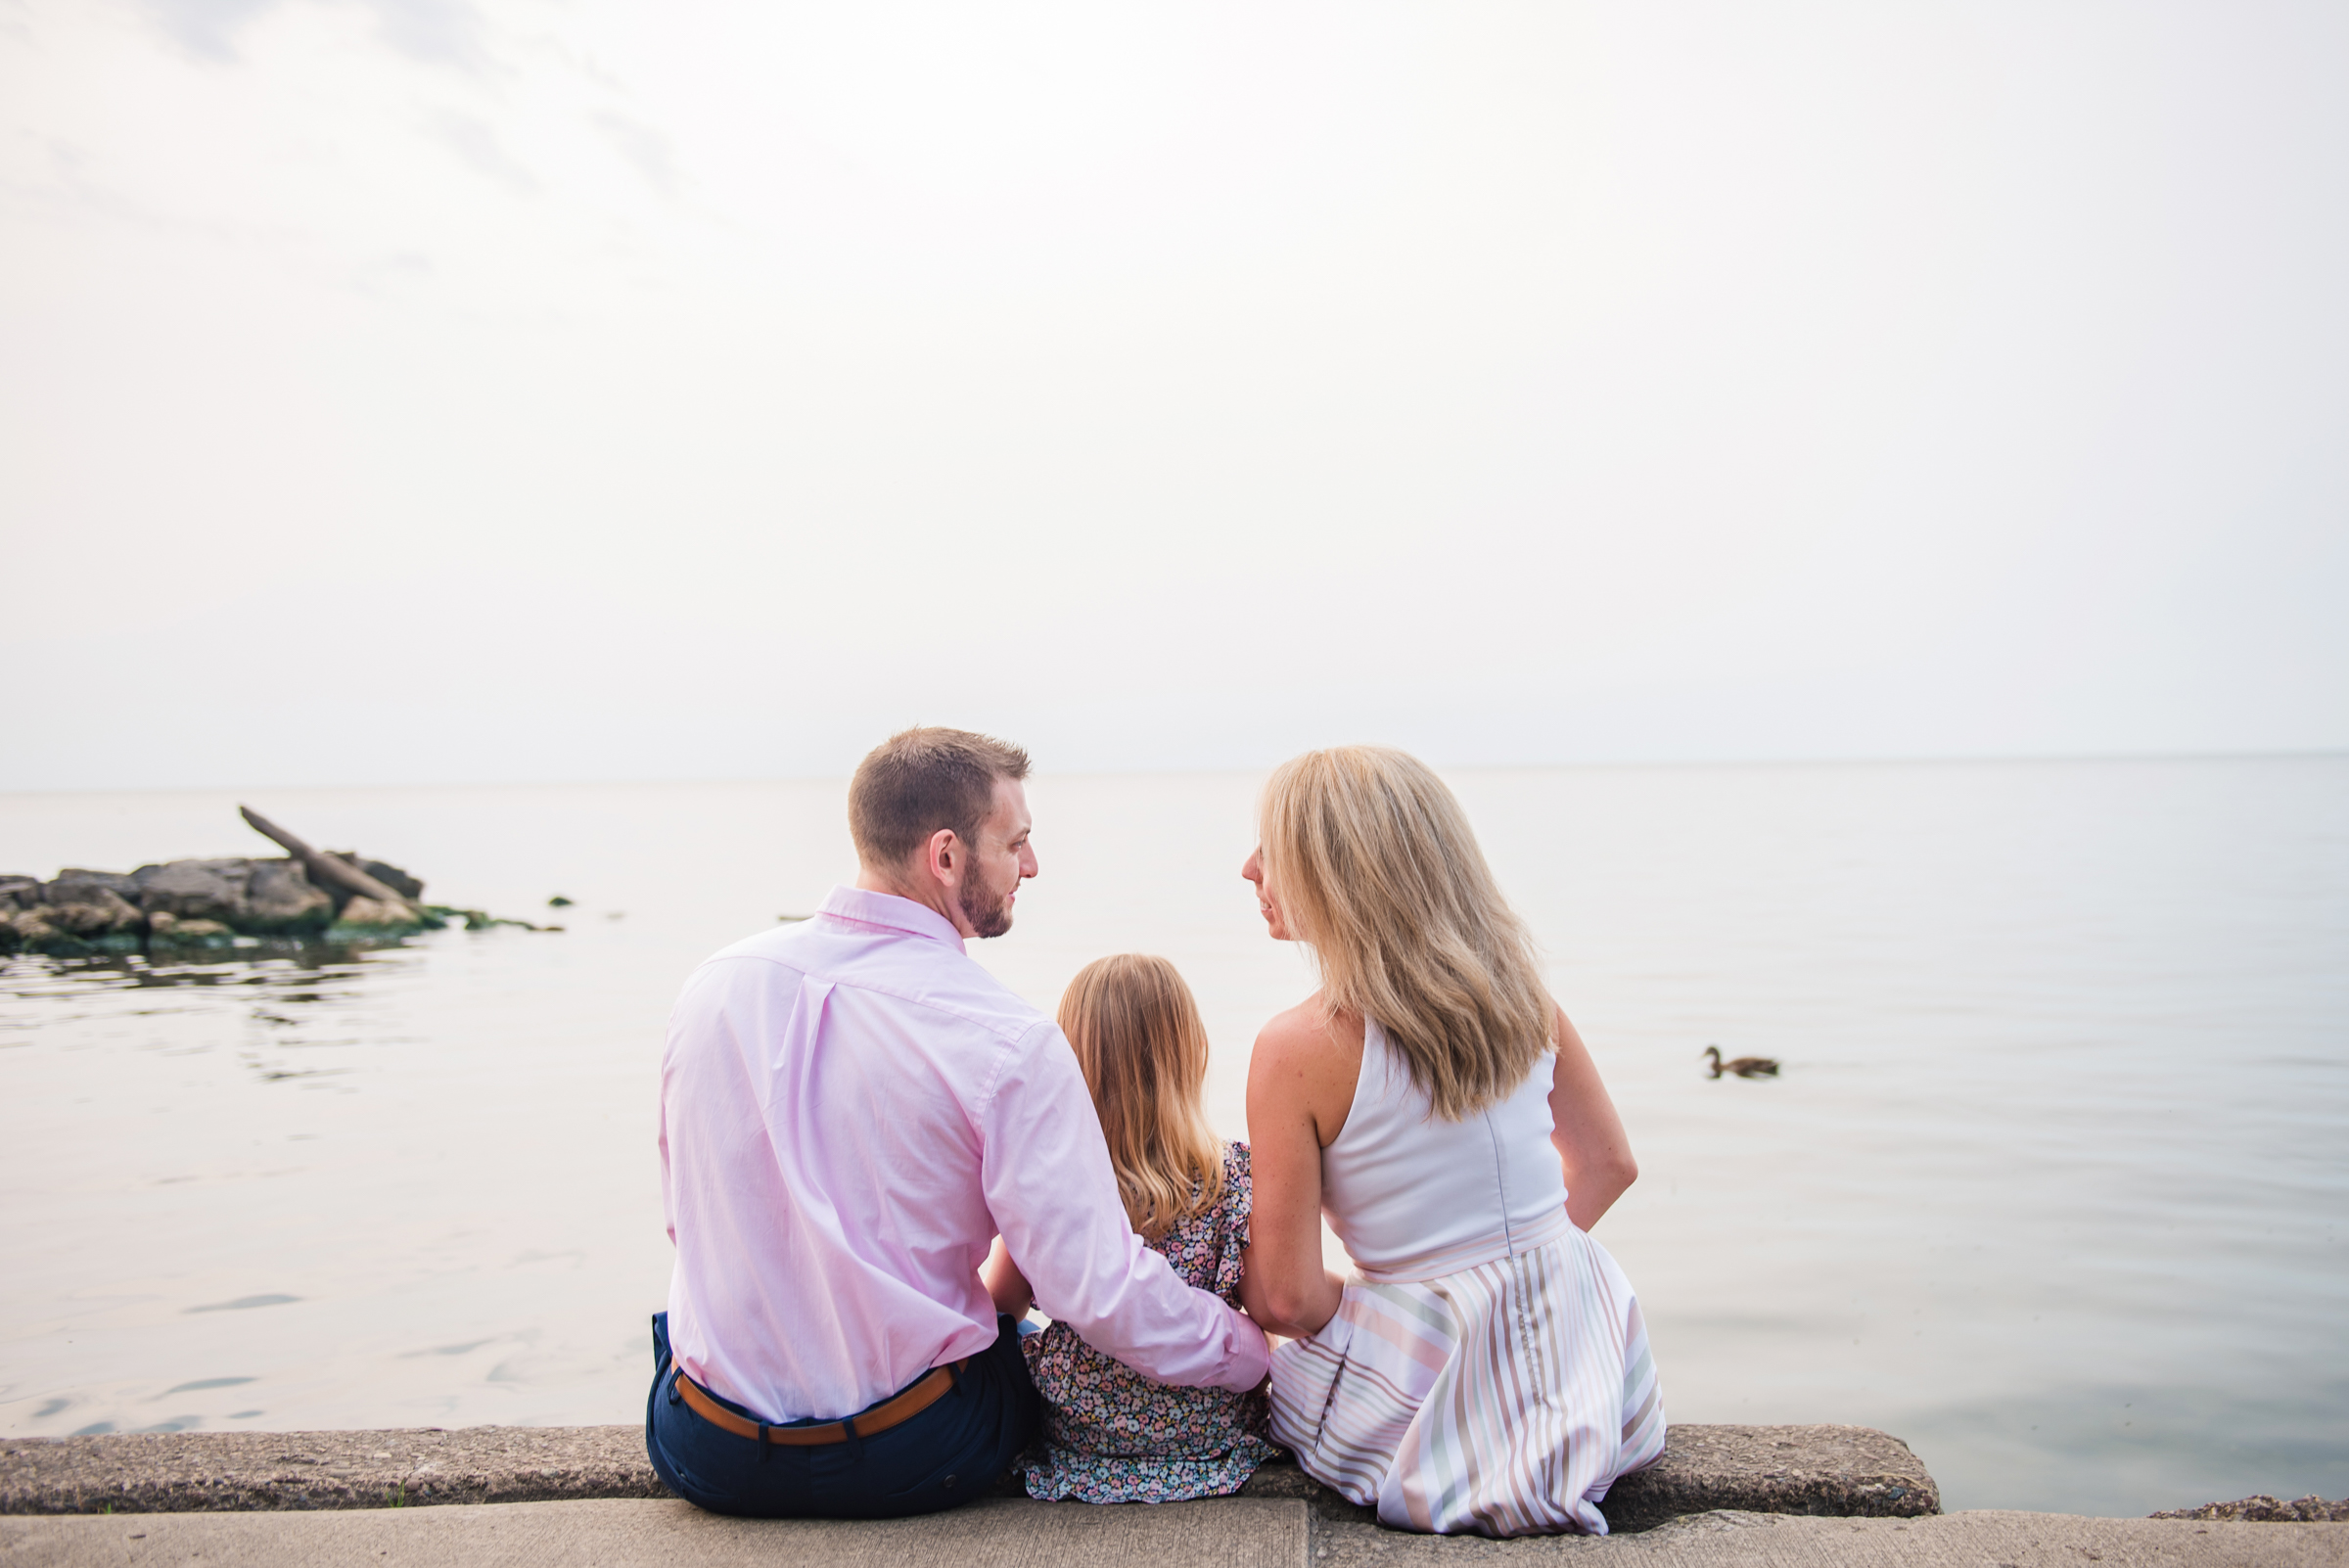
{"x": 1588, "y": 1135}
{"x": 1299, "y": 1088}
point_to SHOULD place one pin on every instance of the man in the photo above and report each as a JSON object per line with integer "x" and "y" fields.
{"x": 851, "y": 1110}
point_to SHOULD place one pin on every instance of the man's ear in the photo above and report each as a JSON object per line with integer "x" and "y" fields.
{"x": 943, "y": 855}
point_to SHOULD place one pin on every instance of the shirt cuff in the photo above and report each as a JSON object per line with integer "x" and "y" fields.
{"x": 1250, "y": 1359}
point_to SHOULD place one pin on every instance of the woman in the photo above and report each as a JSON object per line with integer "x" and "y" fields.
{"x": 1486, "y": 1370}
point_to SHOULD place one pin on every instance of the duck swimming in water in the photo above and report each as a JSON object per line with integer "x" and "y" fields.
{"x": 1743, "y": 1066}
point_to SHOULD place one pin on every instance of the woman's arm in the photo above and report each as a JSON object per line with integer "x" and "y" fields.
{"x": 1005, "y": 1283}
{"x": 1293, "y": 1079}
{"x": 1590, "y": 1141}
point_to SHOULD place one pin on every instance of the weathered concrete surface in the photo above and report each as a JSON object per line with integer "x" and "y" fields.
{"x": 997, "y": 1534}
{"x": 2264, "y": 1509}
{"x": 171, "y": 1473}
{"x": 1767, "y": 1469}
{"x": 1845, "y": 1471}
{"x": 1972, "y": 1540}
{"x": 1225, "y": 1533}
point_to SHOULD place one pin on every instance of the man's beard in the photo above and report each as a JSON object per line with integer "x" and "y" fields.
{"x": 988, "y": 911}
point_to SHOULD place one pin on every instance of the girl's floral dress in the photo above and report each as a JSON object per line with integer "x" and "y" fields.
{"x": 1112, "y": 1435}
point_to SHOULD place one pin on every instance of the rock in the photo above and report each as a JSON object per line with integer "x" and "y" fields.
{"x": 200, "y": 890}
{"x": 280, "y": 899}
{"x": 20, "y": 893}
{"x": 373, "y": 914}
{"x": 393, "y": 877}
{"x": 390, "y": 876}
{"x": 73, "y": 886}
{"x": 37, "y": 931}
{"x": 94, "y": 903}
{"x": 88, "y": 908}
{"x": 167, "y": 930}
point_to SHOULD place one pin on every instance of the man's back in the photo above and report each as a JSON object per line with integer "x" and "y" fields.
{"x": 851, "y": 1108}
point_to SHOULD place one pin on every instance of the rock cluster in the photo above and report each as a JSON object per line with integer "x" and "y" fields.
{"x": 195, "y": 903}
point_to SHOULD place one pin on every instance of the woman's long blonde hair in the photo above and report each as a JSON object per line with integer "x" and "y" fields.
{"x": 1137, "y": 1036}
{"x": 1375, "y": 867}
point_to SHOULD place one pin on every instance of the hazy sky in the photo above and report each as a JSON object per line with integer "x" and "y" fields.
{"x": 424, "y": 389}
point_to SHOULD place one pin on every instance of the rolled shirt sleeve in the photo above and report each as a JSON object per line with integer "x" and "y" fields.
{"x": 1048, "y": 1184}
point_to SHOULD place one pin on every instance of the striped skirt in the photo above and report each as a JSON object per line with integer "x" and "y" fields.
{"x": 1503, "y": 1400}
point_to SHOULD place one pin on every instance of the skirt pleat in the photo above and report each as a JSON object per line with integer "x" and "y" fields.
{"x": 1502, "y": 1400}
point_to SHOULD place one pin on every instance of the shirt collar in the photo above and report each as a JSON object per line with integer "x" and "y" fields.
{"x": 886, "y": 911}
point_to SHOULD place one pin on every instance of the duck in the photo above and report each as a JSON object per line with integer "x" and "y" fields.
{"x": 1743, "y": 1066}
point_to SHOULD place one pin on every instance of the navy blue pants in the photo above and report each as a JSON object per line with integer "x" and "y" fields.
{"x": 950, "y": 1453}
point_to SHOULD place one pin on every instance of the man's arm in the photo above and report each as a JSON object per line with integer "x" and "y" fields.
{"x": 1054, "y": 1198}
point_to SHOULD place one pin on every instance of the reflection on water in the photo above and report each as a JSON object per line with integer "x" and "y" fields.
{"x": 2052, "y": 1183}
{"x": 292, "y": 989}
{"x": 265, "y": 1181}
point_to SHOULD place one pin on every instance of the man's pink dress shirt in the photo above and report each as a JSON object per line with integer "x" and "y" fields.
{"x": 851, "y": 1109}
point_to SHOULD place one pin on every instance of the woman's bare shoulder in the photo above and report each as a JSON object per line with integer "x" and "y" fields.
{"x": 1304, "y": 1066}
{"x": 1307, "y": 1030}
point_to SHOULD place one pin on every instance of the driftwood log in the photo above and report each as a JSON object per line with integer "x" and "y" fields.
{"x": 327, "y": 868}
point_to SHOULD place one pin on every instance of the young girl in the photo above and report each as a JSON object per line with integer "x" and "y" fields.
{"x": 1112, "y": 1435}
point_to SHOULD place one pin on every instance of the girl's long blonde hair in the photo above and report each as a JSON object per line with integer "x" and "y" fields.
{"x": 1375, "y": 868}
{"x": 1137, "y": 1036}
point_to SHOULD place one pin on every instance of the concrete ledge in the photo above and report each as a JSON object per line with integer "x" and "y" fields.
{"x": 1842, "y": 1471}
{"x": 623, "y": 1533}
{"x": 1973, "y": 1539}
{"x": 1839, "y": 1470}
{"x": 203, "y": 1472}
{"x": 1225, "y": 1533}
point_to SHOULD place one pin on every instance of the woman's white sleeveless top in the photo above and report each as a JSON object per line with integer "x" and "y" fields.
{"x": 1414, "y": 1196}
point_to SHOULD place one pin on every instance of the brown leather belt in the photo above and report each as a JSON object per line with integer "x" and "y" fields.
{"x": 926, "y": 1392}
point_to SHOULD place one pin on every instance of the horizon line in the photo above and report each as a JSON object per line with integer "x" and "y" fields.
{"x": 1987, "y": 760}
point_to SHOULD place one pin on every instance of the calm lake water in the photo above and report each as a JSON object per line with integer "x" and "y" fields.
{"x": 2051, "y": 1186}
